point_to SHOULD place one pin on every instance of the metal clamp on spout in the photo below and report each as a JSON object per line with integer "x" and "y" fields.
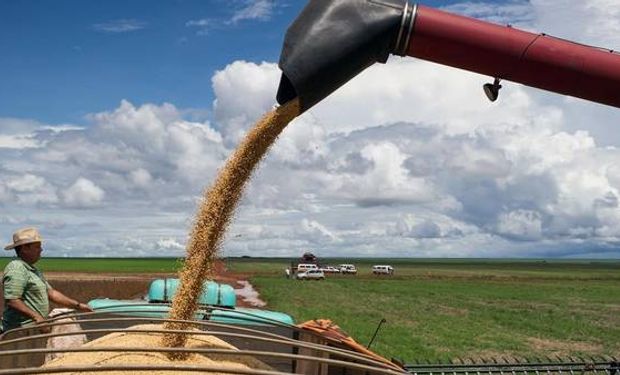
{"x": 406, "y": 29}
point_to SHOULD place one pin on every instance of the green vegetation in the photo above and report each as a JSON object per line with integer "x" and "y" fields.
{"x": 105, "y": 265}
{"x": 459, "y": 308}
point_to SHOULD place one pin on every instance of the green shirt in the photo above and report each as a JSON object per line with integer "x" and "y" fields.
{"x": 25, "y": 282}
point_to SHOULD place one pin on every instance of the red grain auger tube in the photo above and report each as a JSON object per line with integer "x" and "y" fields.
{"x": 536, "y": 60}
{"x": 332, "y": 41}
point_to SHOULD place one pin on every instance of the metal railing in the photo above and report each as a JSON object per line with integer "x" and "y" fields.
{"x": 290, "y": 349}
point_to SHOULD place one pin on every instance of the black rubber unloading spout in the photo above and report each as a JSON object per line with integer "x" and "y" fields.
{"x": 332, "y": 41}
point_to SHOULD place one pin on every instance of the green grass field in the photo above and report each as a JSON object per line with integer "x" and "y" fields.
{"x": 440, "y": 309}
{"x": 104, "y": 265}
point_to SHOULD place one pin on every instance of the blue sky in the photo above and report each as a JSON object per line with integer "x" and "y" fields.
{"x": 64, "y": 59}
{"x": 114, "y": 116}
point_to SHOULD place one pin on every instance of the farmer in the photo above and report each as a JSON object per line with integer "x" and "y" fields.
{"x": 27, "y": 294}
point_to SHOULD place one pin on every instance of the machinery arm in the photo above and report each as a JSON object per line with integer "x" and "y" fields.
{"x": 535, "y": 60}
{"x": 332, "y": 41}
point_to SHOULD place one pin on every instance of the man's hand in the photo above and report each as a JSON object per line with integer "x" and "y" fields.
{"x": 61, "y": 299}
{"x": 39, "y": 320}
{"x": 22, "y": 308}
{"x": 84, "y": 307}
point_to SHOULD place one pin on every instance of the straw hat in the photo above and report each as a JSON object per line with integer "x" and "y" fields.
{"x": 24, "y": 236}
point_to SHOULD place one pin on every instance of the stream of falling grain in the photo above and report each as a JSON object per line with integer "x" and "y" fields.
{"x": 215, "y": 213}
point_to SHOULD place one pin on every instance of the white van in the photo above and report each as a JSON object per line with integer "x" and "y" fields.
{"x": 348, "y": 268}
{"x": 382, "y": 270}
{"x": 303, "y": 267}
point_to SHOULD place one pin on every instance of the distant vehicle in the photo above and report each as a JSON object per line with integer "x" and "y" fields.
{"x": 308, "y": 257}
{"x": 382, "y": 270}
{"x": 330, "y": 269}
{"x": 311, "y": 275}
{"x": 301, "y": 267}
{"x": 348, "y": 268}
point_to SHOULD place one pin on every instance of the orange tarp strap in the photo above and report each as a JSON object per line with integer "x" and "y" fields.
{"x": 330, "y": 331}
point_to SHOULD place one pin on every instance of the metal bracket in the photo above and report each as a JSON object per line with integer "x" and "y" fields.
{"x": 406, "y": 29}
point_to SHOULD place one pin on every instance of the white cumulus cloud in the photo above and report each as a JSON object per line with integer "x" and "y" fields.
{"x": 408, "y": 159}
{"x": 83, "y": 194}
{"x": 244, "y": 91}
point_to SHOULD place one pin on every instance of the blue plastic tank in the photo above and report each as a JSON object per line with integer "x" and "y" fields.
{"x": 227, "y": 296}
{"x": 238, "y": 316}
{"x": 163, "y": 290}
